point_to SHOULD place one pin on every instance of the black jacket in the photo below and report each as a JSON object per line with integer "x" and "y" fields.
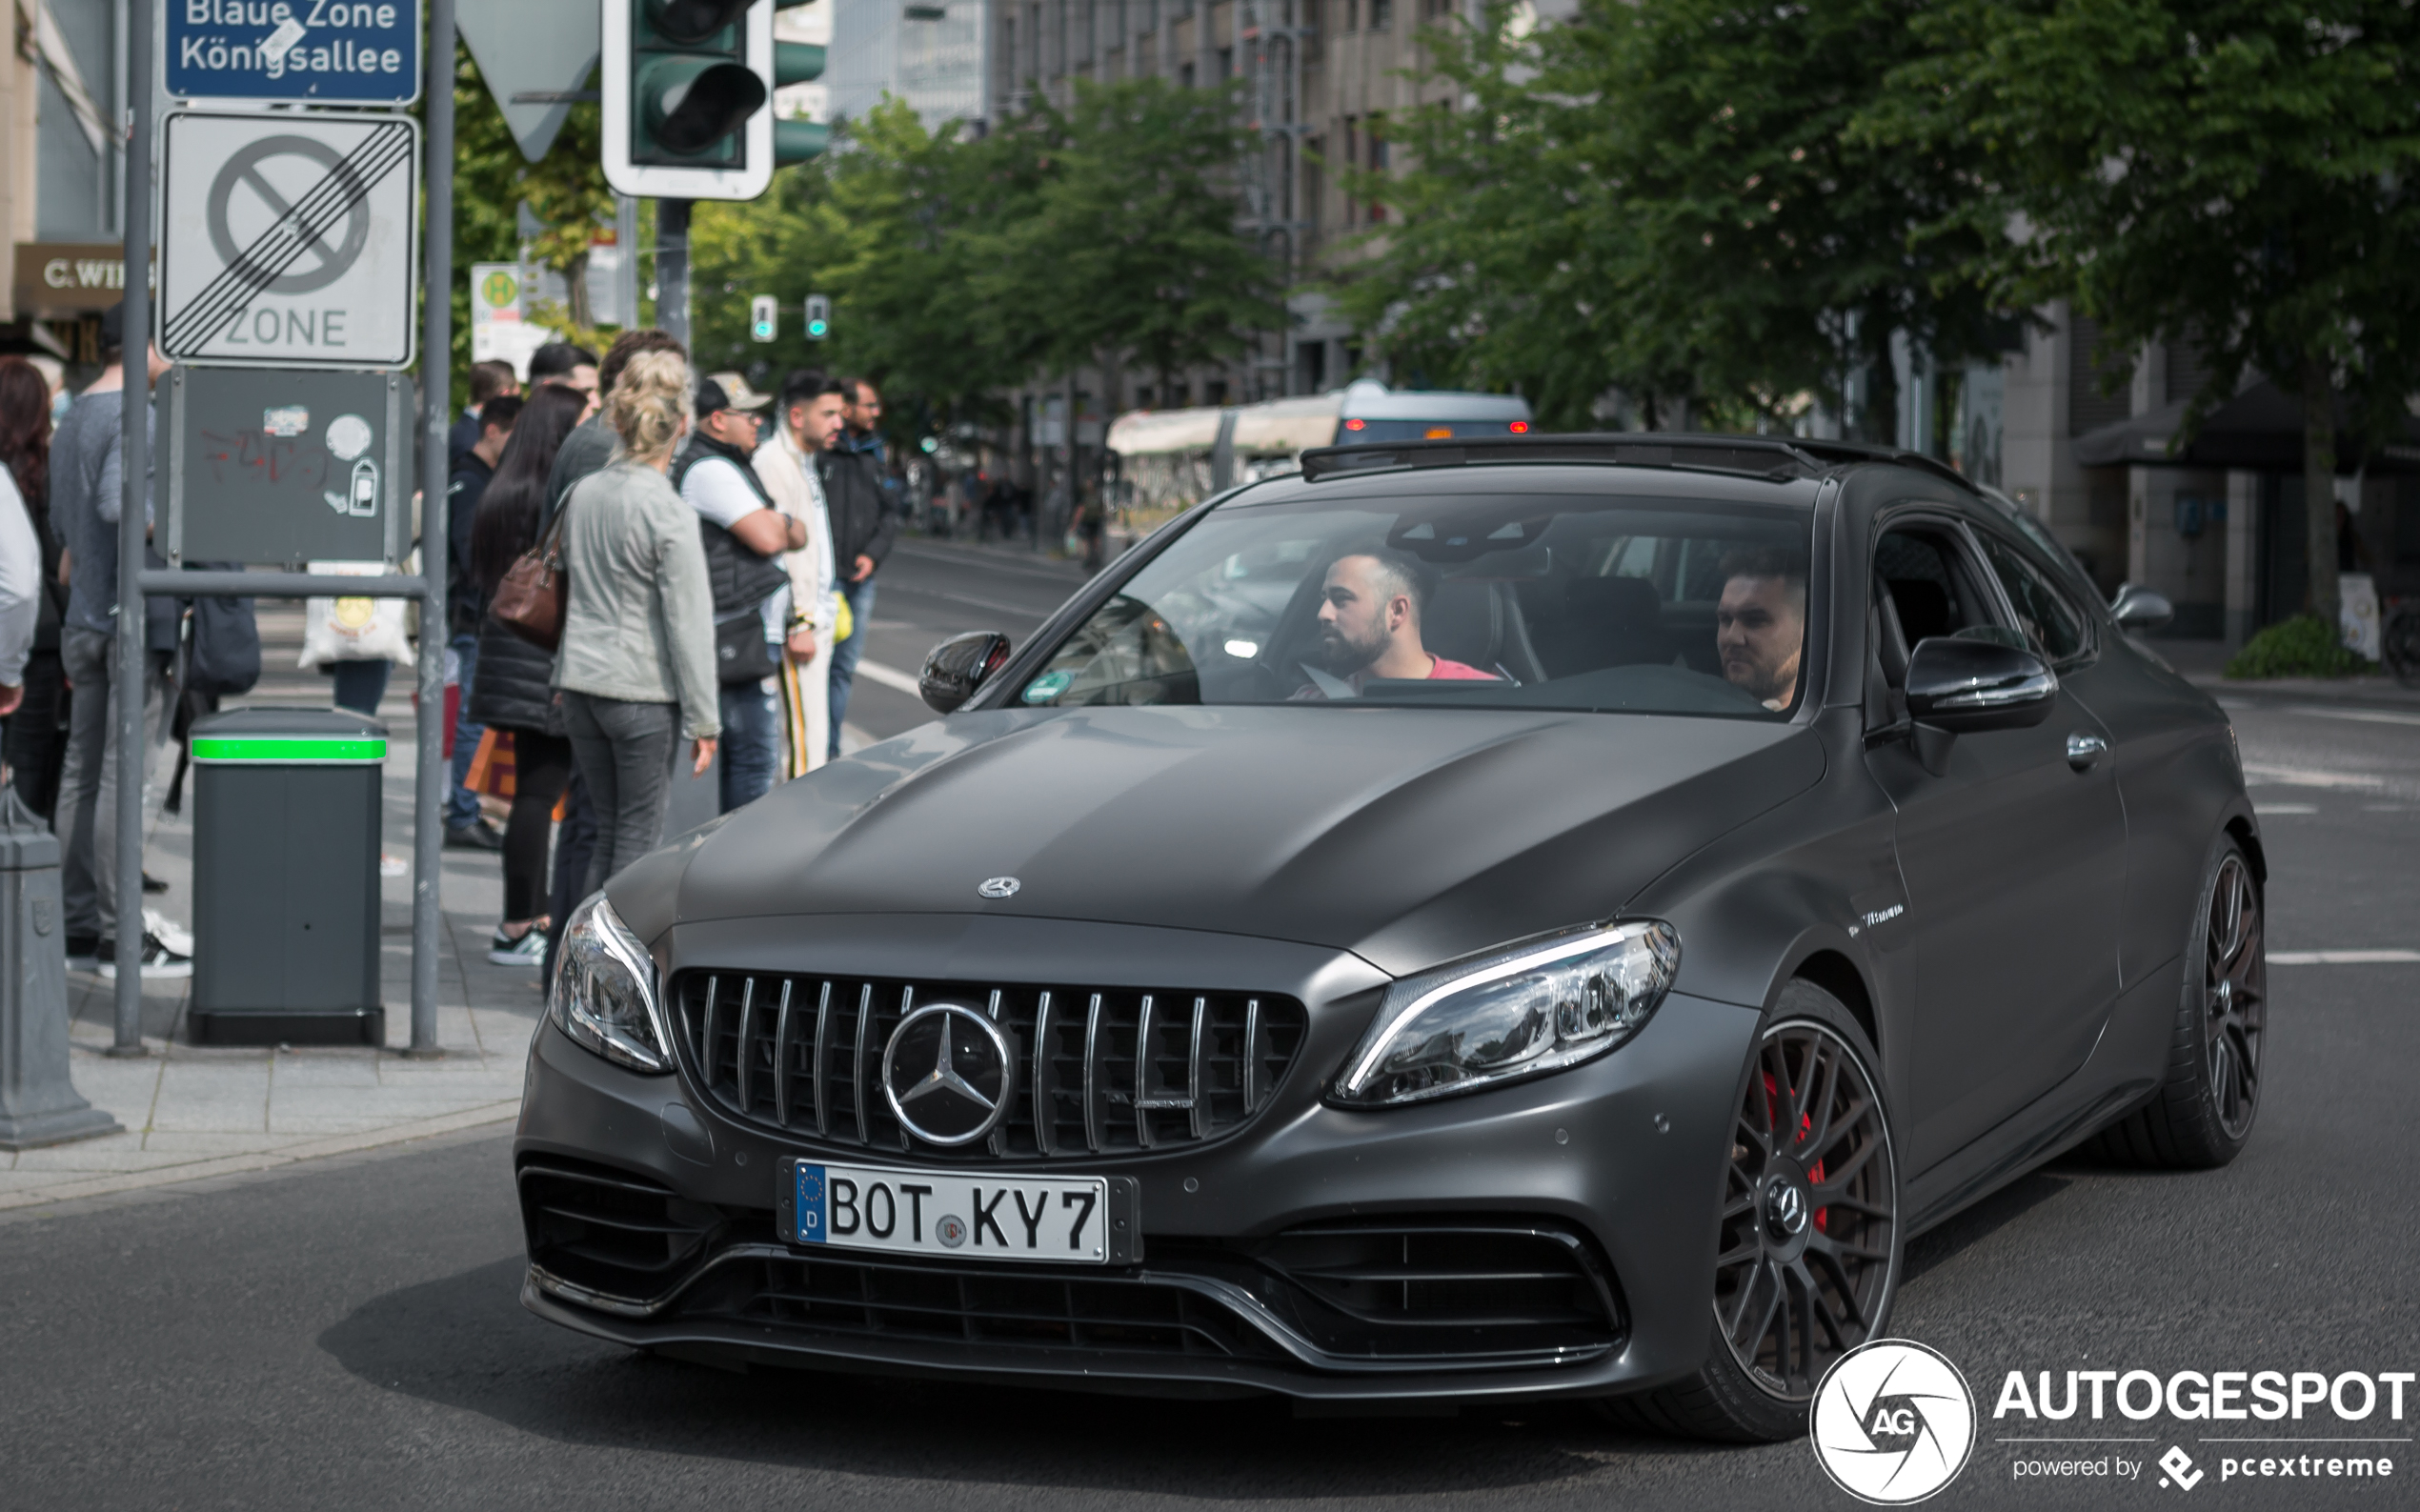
{"x": 512, "y": 687}
{"x": 465, "y": 606}
{"x": 742, "y": 578}
{"x": 862, "y": 524}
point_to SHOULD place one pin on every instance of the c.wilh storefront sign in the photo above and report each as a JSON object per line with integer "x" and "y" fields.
{"x": 56, "y": 277}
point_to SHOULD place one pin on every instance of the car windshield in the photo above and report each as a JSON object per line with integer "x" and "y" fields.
{"x": 1531, "y": 602}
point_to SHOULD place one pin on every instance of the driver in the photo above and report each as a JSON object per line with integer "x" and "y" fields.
{"x": 1369, "y": 623}
{"x": 1760, "y": 625}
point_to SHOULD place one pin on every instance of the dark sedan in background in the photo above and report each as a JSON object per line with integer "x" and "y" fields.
{"x": 1623, "y": 889}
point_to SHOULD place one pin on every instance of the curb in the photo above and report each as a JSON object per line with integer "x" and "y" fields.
{"x": 261, "y": 1160}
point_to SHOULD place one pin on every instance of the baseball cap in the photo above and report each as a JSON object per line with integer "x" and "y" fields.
{"x": 732, "y": 392}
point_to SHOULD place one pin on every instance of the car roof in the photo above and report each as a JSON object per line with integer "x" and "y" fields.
{"x": 1771, "y": 458}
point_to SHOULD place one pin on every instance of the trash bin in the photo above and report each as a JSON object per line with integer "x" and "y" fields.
{"x": 286, "y": 878}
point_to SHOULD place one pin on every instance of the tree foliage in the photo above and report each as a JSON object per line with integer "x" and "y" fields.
{"x": 960, "y": 268}
{"x": 1673, "y": 197}
{"x": 2244, "y": 172}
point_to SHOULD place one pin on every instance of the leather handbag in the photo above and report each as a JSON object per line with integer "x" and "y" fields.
{"x": 741, "y": 652}
{"x": 530, "y": 600}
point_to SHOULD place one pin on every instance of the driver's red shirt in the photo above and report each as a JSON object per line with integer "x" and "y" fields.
{"x": 1458, "y": 670}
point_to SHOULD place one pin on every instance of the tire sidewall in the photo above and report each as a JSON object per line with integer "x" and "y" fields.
{"x": 2192, "y": 997}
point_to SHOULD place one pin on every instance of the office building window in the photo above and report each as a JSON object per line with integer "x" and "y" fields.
{"x": 1381, "y": 12}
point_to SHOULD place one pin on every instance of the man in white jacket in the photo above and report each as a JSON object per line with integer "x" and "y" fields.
{"x": 20, "y": 592}
{"x": 808, "y": 418}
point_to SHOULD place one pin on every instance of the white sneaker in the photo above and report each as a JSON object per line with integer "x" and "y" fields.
{"x": 529, "y": 950}
{"x": 158, "y": 961}
{"x": 167, "y": 932}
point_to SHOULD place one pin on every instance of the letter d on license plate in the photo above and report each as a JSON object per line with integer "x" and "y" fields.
{"x": 985, "y": 1216}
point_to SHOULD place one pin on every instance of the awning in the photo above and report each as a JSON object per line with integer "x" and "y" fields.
{"x": 2258, "y": 431}
{"x": 1287, "y": 425}
{"x": 1147, "y": 433}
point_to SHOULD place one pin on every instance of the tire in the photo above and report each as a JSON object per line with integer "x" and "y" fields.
{"x": 2202, "y": 1115}
{"x": 1834, "y": 1248}
{"x": 2401, "y": 646}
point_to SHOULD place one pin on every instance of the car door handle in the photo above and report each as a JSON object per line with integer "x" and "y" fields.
{"x": 2086, "y": 751}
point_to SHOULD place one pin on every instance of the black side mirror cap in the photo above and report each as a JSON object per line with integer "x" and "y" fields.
{"x": 1960, "y": 685}
{"x": 2140, "y": 609}
{"x": 957, "y": 666}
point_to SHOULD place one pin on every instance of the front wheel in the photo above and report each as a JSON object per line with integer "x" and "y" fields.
{"x": 2400, "y": 645}
{"x": 1806, "y": 1258}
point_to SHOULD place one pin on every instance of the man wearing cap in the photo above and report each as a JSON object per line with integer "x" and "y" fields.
{"x": 744, "y": 537}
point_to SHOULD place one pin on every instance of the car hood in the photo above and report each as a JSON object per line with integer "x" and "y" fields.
{"x": 1407, "y": 835}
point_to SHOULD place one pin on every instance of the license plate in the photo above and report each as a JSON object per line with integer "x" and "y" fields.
{"x": 985, "y": 1216}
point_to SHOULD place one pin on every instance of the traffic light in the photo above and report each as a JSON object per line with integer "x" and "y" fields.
{"x": 687, "y": 86}
{"x": 819, "y": 316}
{"x": 761, "y": 321}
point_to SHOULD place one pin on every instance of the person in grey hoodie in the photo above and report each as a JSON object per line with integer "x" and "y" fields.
{"x": 637, "y": 663}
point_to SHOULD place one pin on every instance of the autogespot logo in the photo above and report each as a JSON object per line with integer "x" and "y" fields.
{"x": 1893, "y": 1422}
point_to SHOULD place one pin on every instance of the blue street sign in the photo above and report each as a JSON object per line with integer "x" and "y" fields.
{"x": 311, "y": 52}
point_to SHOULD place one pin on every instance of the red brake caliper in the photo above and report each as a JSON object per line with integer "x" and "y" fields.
{"x": 1806, "y": 1127}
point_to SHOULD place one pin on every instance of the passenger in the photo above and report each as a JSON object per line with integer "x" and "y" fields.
{"x": 1369, "y": 624}
{"x": 1761, "y": 622}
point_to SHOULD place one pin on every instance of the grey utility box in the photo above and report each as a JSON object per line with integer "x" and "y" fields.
{"x": 286, "y": 878}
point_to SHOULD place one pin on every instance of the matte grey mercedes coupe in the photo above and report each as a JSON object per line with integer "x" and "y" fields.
{"x": 1547, "y": 917}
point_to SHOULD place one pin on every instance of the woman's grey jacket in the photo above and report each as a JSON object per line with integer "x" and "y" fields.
{"x": 639, "y": 624}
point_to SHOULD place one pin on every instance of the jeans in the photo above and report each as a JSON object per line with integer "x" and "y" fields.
{"x": 574, "y": 842}
{"x": 85, "y": 821}
{"x": 37, "y": 744}
{"x": 625, "y": 755}
{"x": 846, "y": 654}
{"x": 461, "y": 804}
{"x": 361, "y": 685}
{"x": 541, "y": 764}
{"x": 750, "y": 744}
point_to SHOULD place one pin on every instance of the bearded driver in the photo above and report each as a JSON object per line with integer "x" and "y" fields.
{"x": 1760, "y": 624}
{"x": 1369, "y": 624}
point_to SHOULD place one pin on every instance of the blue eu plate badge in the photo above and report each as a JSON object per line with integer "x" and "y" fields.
{"x": 809, "y": 1222}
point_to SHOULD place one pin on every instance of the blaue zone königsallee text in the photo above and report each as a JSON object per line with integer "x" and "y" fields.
{"x": 327, "y": 51}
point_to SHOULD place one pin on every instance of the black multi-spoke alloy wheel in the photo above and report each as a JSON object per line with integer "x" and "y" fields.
{"x": 1808, "y": 1250}
{"x": 2202, "y": 1112}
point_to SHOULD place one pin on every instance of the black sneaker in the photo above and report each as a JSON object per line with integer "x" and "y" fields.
{"x": 82, "y": 949}
{"x": 477, "y": 836}
{"x": 158, "y": 961}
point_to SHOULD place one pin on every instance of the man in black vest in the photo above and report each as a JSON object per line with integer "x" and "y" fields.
{"x": 743, "y": 535}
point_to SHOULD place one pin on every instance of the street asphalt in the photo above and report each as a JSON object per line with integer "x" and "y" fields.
{"x": 348, "y": 1332}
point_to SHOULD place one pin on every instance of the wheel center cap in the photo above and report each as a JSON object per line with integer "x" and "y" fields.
{"x": 1786, "y": 1208}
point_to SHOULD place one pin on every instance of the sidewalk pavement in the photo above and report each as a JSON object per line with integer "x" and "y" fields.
{"x": 2203, "y": 662}
{"x": 193, "y": 1112}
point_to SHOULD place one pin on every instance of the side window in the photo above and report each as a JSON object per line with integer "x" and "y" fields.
{"x": 1926, "y": 582}
{"x": 2054, "y": 626}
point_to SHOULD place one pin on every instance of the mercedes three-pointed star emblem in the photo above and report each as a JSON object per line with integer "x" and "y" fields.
{"x": 949, "y": 1106}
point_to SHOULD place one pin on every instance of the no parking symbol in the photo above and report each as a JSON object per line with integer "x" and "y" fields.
{"x": 289, "y": 239}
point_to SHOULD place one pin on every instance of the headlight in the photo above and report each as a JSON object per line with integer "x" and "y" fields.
{"x": 1537, "y": 1007}
{"x": 604, "y": 991}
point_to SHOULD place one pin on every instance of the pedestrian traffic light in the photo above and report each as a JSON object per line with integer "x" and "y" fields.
{"x": 687, "y": 86}
{"x": 819, "y": 316}
{"x": 760, "y": 313}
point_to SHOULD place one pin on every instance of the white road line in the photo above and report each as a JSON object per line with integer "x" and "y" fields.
{"x": 2309, "y": 778}
{"x": 2343, "y": 957}
{"x": 2366, "y": 715}
{"x": 888, "y": 676}
{"x": 2266, "y": 808}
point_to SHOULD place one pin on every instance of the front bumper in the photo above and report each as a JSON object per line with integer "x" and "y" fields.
{"x": 1552, "y": 1238}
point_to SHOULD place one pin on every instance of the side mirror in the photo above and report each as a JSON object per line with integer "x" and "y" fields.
{"x": 1959, "y": 685}
{"x": 957, "y": 666}
{"x": 2140, "y": 609}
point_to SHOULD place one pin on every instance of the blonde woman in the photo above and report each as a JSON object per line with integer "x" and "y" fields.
{"x": 638, "y": 660}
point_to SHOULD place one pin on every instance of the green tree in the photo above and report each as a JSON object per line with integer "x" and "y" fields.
{"x": 1707, "y": 223}
{"x": 2242, "y": 172}
{"x": 1128, "y": 252}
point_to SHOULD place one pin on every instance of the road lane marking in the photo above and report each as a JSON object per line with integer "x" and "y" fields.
{"x": 2366, "y": 715}
{"x": 2266, "y": 808}
{"x": 889, "y": 677}
{"x": 2310, "y": 777}
{"x": 1023, "y": 612}
{"x": 2343, "y": 957}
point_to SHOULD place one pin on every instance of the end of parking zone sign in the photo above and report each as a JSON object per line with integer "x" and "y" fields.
{"x": 289, "y": 239}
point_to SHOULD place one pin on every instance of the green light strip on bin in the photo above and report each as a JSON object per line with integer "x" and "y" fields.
{"x": 291, "y": 749}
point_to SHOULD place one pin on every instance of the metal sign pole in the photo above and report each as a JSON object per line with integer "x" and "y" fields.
{"x": 436, "y": 361}
{"x": 672, "y": 269}
{"x": 133, "y": 506}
